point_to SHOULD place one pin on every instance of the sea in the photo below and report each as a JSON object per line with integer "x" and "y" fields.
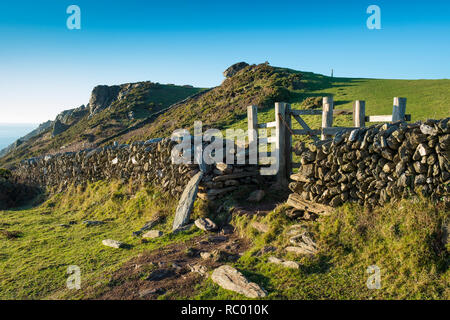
{"x": 10, "y": 132}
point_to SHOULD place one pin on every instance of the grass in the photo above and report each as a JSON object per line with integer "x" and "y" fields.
{"x": 34, "y": 264}
{"x": 402, "y": 239}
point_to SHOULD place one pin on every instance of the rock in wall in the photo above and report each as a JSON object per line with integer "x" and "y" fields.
{"x": 375, "y": 164}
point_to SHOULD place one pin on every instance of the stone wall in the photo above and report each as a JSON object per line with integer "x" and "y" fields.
{"x": 148, "y": 162}
{"x": 375, "y": 164}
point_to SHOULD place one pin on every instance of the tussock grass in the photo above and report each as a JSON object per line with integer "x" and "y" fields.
{"x": 403, "y": 239}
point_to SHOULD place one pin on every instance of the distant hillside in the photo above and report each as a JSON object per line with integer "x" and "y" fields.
{"x": 225, "y": 106}
{"x": 111, "y": 109}
{"x": 144, "y": 110}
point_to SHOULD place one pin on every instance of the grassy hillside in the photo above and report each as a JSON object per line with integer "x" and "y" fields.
{"x": 38, "y": 244}
{"x": 225, "y": 106}
{"x": 143, "y": 101}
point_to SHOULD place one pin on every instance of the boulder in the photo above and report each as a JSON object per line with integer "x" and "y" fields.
{"x": 205, "y": 224}
{"x": 235, "y": 68}
{"x": 113, "y": 243}
{"x": 152, "y": 234}
{"x": 230, "y": 279}
{"x": 284, "y": 263}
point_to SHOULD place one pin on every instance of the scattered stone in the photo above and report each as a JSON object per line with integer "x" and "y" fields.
{"x": 206, "y": 255}
{"x": 285, "y": 263}
{"x": 184, "y": 228}
{"x": 230, "y": 279}
{"x": 198, "y": 268}
{"x": 113, "y": 243}
{"x": 256, "y": 196}
{"x": 160, "y": 274}
{"x": 205, "y": 224}
{"x": 149, "y": 225}
{"x": 303, "y": 244}
{"x": 152, "y": 234}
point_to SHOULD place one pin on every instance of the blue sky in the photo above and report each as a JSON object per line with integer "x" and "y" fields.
{"x": 46, "y": 68}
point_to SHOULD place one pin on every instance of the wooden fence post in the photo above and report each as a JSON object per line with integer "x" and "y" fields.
{"x": 327, "y": 114}
{"x": 398, "y": 112}
{"x": 288, "y": 134}
{"x": 359, "y": 114}
{"x": 280, "y": 145}
{"x": 252, "y": 119}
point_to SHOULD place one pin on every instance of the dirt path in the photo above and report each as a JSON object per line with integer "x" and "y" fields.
{"x": 167, "y": 270}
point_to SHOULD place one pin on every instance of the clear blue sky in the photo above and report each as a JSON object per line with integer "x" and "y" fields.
{"x": 46, "y": 68}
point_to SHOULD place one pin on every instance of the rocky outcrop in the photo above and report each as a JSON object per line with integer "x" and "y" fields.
{"x": 58, "y": 128}
{"x": 373, "y": 165}
{"x": 235, "y": 68}
{"x": 102, "y": 97}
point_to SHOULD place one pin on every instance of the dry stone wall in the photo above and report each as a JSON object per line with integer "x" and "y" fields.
{"x": 148, "y": 162}
{"x": 376, "y": 164}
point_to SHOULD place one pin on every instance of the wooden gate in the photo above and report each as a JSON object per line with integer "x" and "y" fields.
{"x": 284, "y": 130}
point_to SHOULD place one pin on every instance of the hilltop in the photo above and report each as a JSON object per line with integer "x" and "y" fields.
{"x": 144, "y": 110}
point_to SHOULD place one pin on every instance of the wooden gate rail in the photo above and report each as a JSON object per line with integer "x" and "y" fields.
{"x": 282, "y": 140}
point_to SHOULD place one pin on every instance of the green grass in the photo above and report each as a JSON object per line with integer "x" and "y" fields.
{"x": 402, "y": 239}
{"x": 34, "y": 265}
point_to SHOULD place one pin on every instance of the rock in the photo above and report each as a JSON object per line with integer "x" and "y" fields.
{"x": 224, "y": 168}
{"x": 198, "y": 268}
{"x": 261, "y": 227}
{"x": 152, "y": 234}
{"x": 157, "y": 291}
{"x": 148, "y": 225}
{"x": 206, "y": 255}
{"x": 113, "y": 243}
{"x": 235, "y": 68}
{"x": 186, "y": 203}
{"x": 284, "y": 263}
{"x": 303, "y": 244}
{"x": 230, "y": 279}
{"x": 256, "y": 196}
{"x": 205, "y": 224}
{"x": 428, "y": 130}
{"x": 388, "y": 167}
{"x": 183, "y": 228}
{"x": 160, "y": 274}
{"x": 58, "y": 128}
{"x": 102, "y": 97}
